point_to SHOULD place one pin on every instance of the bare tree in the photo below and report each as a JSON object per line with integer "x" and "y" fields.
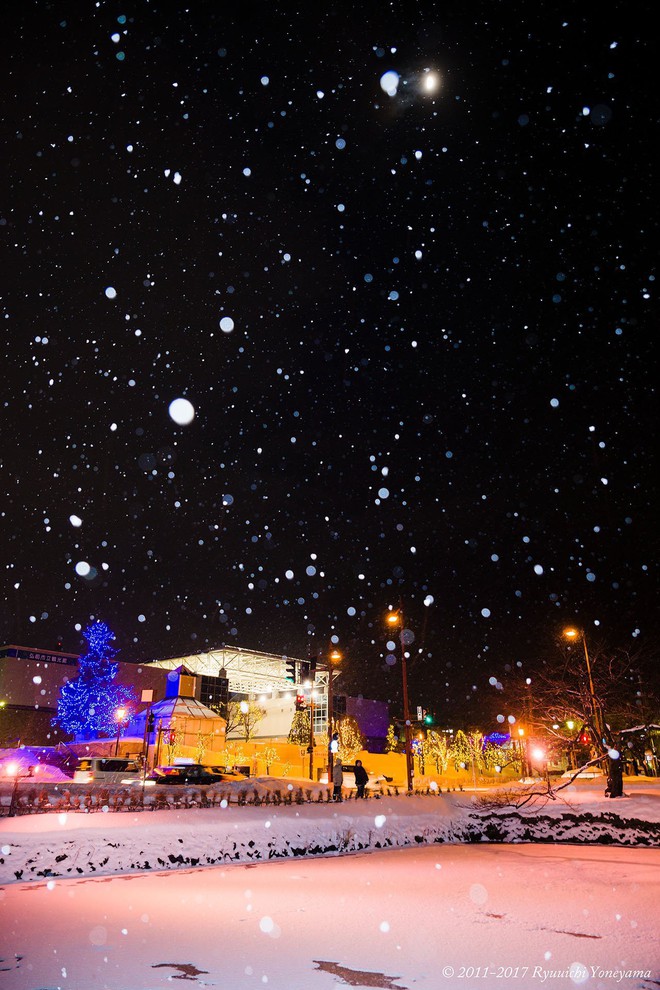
{"x": 251, "y": 715}
{"x": 231, "y": 712}
{"x": 584, "y": 707}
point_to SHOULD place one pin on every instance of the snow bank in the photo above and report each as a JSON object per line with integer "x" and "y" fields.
{"x": 79, "y": 843}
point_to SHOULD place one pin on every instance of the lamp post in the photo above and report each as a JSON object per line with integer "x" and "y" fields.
{"x": 310, "y": 747}
{"x": 615, "y": 770}
{"x": 334, "y": 657}
{"x": 522, "y": 742}
{"x": 147, "y": 697}
{"x": 15, "y": 771}
{"x": 572, "y": 634}
{"x": 570, "y": 725}
{"x": 396, "y": 619}
{"x": 120, "y": 715}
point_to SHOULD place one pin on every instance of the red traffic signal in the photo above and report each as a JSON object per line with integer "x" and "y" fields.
{"x": 300, "y": 703}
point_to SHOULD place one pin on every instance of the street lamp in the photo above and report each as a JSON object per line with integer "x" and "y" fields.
{"x": 615, "y": 774}
{"x": 333, "y": 657}
{"x": 120, "y": 715}
{"x": 524, "y": 762}
{"x": 572, "y": 635}
{"x": 309, "y": 685}
{"x": 540, "y": 756}
{"x": 14, "y": 770}
{"x": 396, "y": 619}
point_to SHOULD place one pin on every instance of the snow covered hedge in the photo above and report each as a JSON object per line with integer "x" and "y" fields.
{"x": 184, "y": 839}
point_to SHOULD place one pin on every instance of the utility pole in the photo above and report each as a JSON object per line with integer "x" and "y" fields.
{"x": 396, "y": 619}
{"x": 614, "y": 762}
{"x": 310, "y": 748}
{"x": 336, "y": 657}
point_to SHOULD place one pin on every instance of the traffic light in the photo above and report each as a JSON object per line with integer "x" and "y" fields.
{"x": 428, "y": 718}
{"x": 312, "y": 669}
{"x": 290, "y": 671}
{"x": 304, "y": 670}
{"x": 300, "y": 702}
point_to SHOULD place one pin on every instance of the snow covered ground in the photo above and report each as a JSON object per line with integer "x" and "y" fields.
{"x": 433, "y": 915}
{"x": 75, "y": 843}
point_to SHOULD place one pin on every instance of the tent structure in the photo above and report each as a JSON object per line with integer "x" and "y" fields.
{"x": 179, "y": 718}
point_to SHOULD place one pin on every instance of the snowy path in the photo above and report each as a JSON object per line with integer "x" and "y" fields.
{"x": 415, "y": 916}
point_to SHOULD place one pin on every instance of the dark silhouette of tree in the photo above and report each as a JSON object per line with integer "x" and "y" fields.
{"x": 583, "y": 716}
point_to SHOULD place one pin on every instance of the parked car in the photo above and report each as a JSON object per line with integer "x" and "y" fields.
{"x": 375, "y": 782}
{"x": 226, "y": 773}
{"x": 187, "y": 773}
{"x": 106, "y": 770}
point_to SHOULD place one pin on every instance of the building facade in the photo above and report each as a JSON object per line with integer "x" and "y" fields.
{"x": 31, "y": 680}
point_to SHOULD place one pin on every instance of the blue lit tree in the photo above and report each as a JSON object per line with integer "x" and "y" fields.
{"x": 86, "y": 706}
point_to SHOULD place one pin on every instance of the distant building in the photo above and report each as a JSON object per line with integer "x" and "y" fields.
{"x": 30, "y": 683}
{"x": 31, "y": 679}
{"x": 274, "y": 681}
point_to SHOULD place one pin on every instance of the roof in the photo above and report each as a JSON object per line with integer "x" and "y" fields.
{"x": 182, "y": 708}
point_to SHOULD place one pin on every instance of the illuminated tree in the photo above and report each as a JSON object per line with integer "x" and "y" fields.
{"x": 251, "y": 715}
{"x": 235, "y": 755}
{"x": 460, "y": 751}
{"x": 392, "y": 741}
{"x": 299, "y": 731}
{"x": 436, "y": 750}
{"x": 351, "y": 740}
{"x": 270, "y": 755}
{"x": 476, "y": 747}
{"x": 203, "y": 741}
{"x": 87, "y": 704}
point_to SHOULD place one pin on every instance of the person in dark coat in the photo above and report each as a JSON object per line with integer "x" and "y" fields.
{"x": 361, "y": 778}
{"x": 337, "y": 780}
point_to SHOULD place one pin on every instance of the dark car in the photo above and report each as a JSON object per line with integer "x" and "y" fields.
{"x": 187, "y": 773}
{"x": 225, "y": 773}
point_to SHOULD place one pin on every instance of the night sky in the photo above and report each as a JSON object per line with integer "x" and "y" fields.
{"x": 415, "y": 326}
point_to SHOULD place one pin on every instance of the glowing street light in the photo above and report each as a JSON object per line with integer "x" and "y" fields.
{"x": 525, "y": 768}
{"x": 615, "y": 774}
{"x": 572, "y": 635}
{"x": 120, "y": 715}
{"x": 15, "y": 770}
{"x": 396, "y": 619}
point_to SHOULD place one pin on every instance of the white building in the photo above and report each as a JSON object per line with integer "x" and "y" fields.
{"x": 272, "y": 680}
